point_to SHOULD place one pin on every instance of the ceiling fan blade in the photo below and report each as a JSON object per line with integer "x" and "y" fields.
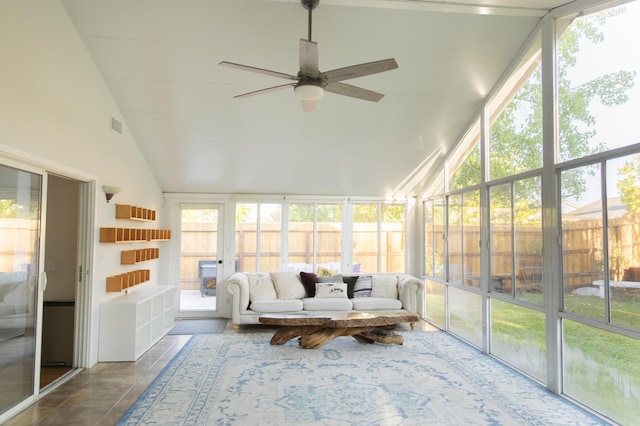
{"x": 308, "y": 57}
{"x": 353, "y": 91}
{"x": 308, "y": 106}
{"x": 267, "y": 90}
{"x": 258, "y": 70}
{"x": 360, "y": 70}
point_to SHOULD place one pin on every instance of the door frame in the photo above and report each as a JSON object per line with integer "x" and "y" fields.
{"x": 226, "y": 249}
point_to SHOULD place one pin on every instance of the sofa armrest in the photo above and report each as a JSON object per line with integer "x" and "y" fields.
{"x": 237, "y": 287}
{"x": 411, "y": 293}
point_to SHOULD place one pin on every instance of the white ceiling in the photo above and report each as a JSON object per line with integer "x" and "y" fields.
{"x": 160, "y": 58}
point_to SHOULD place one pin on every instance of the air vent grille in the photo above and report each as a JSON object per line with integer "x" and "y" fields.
{"x": 116, "y": 125}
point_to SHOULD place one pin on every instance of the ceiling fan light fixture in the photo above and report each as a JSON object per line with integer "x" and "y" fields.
{"x": 309, "y": 91}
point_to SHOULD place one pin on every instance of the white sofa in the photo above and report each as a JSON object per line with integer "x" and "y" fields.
{"x": 16, "y": 301}
{"x": 254, "y": 294}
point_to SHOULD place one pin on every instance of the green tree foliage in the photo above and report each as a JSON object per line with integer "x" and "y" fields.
{"x": 516, "y": 142}
{"x": 629, "y": 184}
{"x": 362, "y": 213}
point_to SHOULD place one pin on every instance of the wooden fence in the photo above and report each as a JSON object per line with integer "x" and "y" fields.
{"x": 582, "y": 244}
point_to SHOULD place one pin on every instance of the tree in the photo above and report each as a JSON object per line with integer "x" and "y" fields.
{"x": 629, "y": 184}
{"x": 516, "y": 135}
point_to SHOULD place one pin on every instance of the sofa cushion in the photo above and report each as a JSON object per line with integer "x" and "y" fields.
{"x": 309, "y": 281}
{"x": 384, "y": 286}
{"x": 351, "y": 284}
{"x": 362, "y": 287}
{"x": 329, "y": 290}
{"x": 330, "y": 279}
{"x": 288, "y": 285}
{"x": 277, "y": 305}
{"x": 326, "y": 304}
{"x": 375, "y": 303}
{"x": 261, "y": 288}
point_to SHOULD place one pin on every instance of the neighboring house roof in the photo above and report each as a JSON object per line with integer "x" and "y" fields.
{"x": 593, "y": 210}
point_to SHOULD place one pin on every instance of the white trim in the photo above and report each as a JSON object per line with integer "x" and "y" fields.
{"x": 436, "y": 6}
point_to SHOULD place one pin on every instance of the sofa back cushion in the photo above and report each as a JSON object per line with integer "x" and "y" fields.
{"x": 261, "y": 287}
{"x": 385, "y": 286}
{"x": 288, "y": 285}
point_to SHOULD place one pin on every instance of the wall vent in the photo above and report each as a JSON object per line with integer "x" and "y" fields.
{"x": 116, "y": 125}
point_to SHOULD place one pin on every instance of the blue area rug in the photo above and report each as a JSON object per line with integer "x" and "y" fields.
{"x": 240, "y": 379}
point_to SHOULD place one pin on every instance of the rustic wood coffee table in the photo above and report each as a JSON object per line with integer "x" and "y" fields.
{"x": 315, "y": 330}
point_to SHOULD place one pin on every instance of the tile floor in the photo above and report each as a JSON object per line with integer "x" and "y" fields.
{"x": 101, "y": 395}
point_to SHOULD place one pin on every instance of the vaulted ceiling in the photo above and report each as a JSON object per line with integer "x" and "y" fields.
{"x": 159, "y": 59}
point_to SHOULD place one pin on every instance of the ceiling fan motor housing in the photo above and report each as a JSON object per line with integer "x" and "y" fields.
{"x": 310, "y": 4}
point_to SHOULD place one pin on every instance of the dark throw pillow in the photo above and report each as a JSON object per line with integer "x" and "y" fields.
{"x": 351, "y": 284}
{"x": 309, "y": 280}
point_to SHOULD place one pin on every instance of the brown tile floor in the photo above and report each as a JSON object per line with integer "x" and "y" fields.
{"x": 100, "y": 395}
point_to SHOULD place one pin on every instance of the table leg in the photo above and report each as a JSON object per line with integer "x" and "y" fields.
{"x": 284, "y": 334}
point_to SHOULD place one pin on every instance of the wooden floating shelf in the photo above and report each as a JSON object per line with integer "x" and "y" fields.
{"x": 129, "y": 235}
{"x": 126, "y": 211}
{"x": 131, "y": 257}
{"x": 120, "y": 282}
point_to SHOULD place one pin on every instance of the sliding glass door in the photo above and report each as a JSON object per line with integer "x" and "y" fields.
{"x": 20, "y": 232}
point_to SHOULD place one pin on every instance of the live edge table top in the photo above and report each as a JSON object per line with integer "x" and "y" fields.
{"x": 340, "y": 319}
{"x": 316, "y": 329}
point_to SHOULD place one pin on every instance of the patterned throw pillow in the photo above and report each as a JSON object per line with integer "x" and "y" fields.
{"x": 331, "y": 290}
{"x": 326, "y": 272}
{"x": 363, "y": 286}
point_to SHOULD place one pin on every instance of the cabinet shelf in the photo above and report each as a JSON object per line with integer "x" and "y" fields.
{"x": 120, "y": 282}
{"x": 126, "y": 211}
{"x": 131, "y": 257}
{"x": 128, "y": 235}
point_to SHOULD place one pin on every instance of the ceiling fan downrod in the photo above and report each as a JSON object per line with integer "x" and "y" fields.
{"x": 310, "y": 5}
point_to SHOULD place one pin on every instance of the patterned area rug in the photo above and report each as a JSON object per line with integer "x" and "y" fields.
{"x": 240, "y": 379}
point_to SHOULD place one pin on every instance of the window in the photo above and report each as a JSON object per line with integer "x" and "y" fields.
{"x": 515, "y": 136}
{"x": 315, "y": 237}
{"x": 379, "y": 237}
{"x": 258, "y": 236}
{"x": 599, "y": 82}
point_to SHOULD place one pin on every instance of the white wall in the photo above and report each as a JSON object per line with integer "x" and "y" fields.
{"x": 55, "y": 111}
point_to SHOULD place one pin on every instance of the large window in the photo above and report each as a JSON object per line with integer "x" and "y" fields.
{"x": 580, "y": 270}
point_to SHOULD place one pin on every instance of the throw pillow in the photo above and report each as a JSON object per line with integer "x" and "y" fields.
{"x": 309, "y": 281}
{"x": 288, "y": 285}
{"x": 363, "y": 286}
{"x": 385, "y": 286}
{"x": 261, "y": 288}
{"x": 351, "y": 284}
{"x": 326, "y": 272}
{"x": 331, "y": 279}
{"x": 330, "y": 290}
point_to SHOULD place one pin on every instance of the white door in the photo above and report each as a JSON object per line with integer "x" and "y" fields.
{"x": 201, "y": 263}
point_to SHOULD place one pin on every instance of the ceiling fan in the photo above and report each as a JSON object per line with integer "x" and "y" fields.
{"x": 310, "y": 84}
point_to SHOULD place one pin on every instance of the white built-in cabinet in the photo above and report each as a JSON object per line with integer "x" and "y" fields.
{"x": 133, "y": 322}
